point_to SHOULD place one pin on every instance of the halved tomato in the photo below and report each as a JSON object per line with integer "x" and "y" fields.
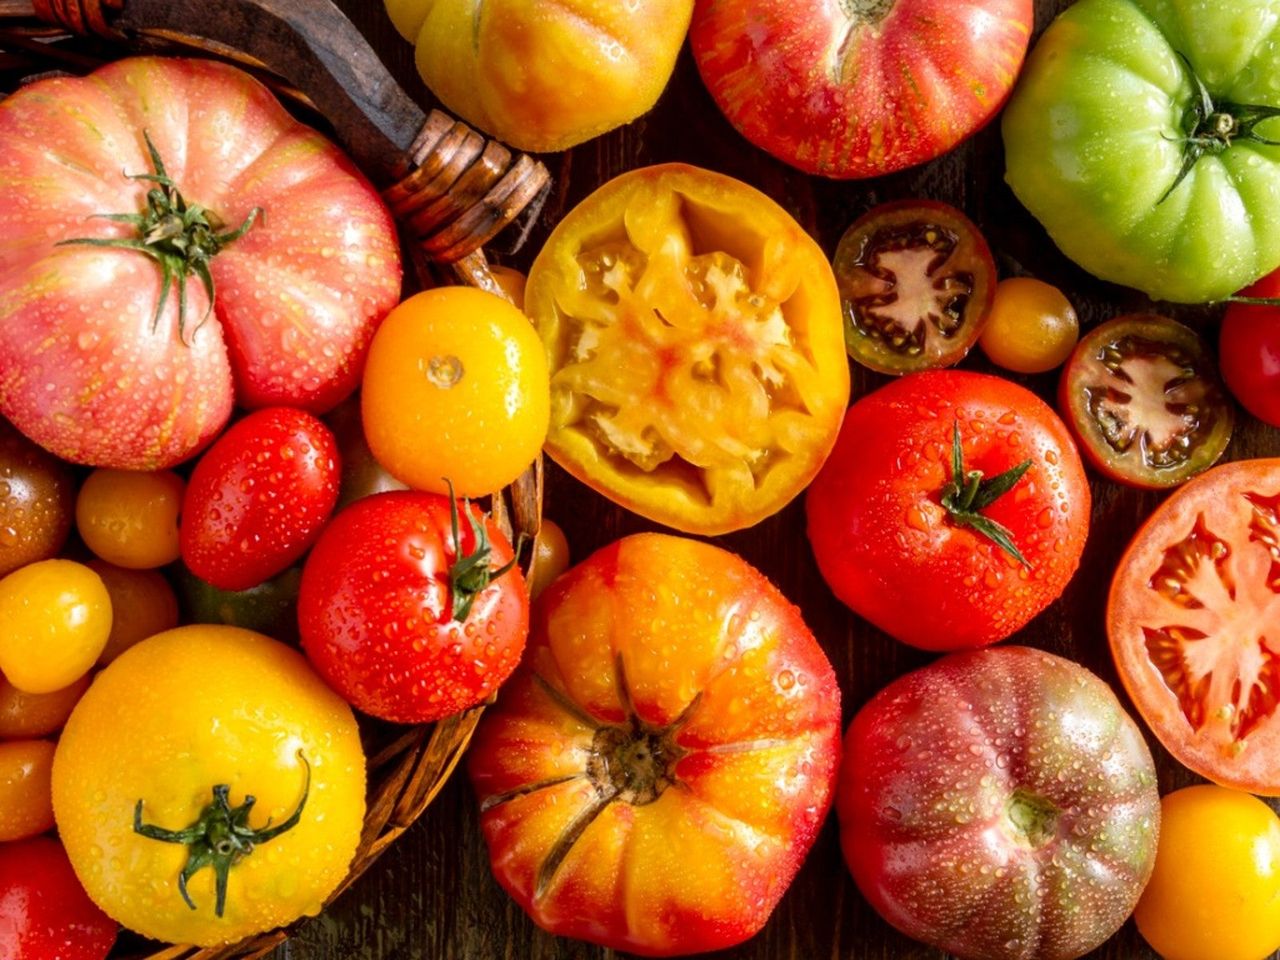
{"x": 917, "y": 280}
{"x": 1194, "y": 622}
{"x": 1144, "y": 398}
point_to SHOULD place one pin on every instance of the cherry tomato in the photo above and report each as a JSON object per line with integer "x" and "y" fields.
{"x": 142, "y": 605}
{"x": 270, "y": 608}
{"x": 917, "y": 280}
{"x": 258, "y": 498}
{"x": 44, "y": 912}
{"x": 26, "y": 803}
{"x": 36, "y": 501}
{"x": 512, "y": 282}
{"x": 362, "y": 475}
{"x": 1216, "y": 887}
{"x": 1143, "y": 398}
{"x": 1249, "y": 346}
{"x": 57, "y": 617}
{"x": 410, "y": 606}
{"x": 27, "y": 715}
{"x": 1032, "y": 327}
{"x": 129, "y": 518}
{"x": 550, "y": 557}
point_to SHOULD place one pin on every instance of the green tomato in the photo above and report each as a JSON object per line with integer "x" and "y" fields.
{"x": 270, "y": 608}
{"x": 1137, "y": 136}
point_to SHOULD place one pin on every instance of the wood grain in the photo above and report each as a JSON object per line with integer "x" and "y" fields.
{"x": 432, "y": 896}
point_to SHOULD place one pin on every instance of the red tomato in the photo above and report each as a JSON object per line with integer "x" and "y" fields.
{"x": 938, "y": 566}
{"x": 409, "y": 612}
{"x": 1249, "y": 346}
{"x": 44, "y": 912}
{"x": 859, "y": 88}
{"x": 258, "y": 499}
{"x": 656, "y": 772}
{"x": 98, "y": 362}
{"x": 999, "y": 804}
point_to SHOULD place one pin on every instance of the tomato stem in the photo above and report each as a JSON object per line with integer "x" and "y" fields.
{"x": 968, "y": 493}
{"x": 469, "y": 574}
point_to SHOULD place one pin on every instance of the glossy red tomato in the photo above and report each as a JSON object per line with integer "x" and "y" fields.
{"x": 1249, "y": 347}
{"x": 999, "y": 805}
{"x": 411, "y": 606}
{"x": 258, "y": 499}
{"x": 44, "y": 912}
{"x": 942, "y": 558}
{"x": 859, "y": 88}
{"x": 98, "y": 362}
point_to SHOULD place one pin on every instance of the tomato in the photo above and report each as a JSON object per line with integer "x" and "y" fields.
{"x": 655, "y": 773}
{"x": 917, "y": 280}
{"x": 259, "y": 497}
{"x": 1249, "y": 346}
{"x": 550, "y": 557}
{"x": 1191, "y": 619}
{"x": 934, "y": 565}
{"x": 456, "y": 388}
{"x": 27, "y": 715}
{"x": 44, "y": 912}
{"x": 186, "y": 730}
{"x": 408, "y": 612}
{"x": 512, "y": 283}
{"x": 1216, "y": 887}
{"x": 142, "y": 605}
{"x": 1032, "y": 327}
{"x": 362, "y": 475}
{"x": 57, "y": 618}
{"x": 99, "y": 362}
{"x": 1137, "y": 143}
{"x": 1143, "y": 397}
{"x": 130, "y": 519}
{"x": 999, "y": 804}
{"x": 36, "y": 496}
{"x": 694, "y": 331}
{"x": 544, "y": 76}
{"x": 26, "y": 806}
{"x": 859, "y": 88}
{"x": 270, "y": 608}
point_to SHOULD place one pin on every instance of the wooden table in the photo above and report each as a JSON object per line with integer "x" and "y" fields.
{"x": 432, "y": 896}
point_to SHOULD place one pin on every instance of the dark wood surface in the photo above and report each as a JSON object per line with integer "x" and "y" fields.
{"x": 432, "y": 896}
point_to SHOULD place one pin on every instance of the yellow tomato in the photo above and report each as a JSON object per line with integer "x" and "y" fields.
{"x": 512, "y": 282}
{"x": 26, "y": 808}
{"x": 1032, "y": 327}
{"x": 550, "y": 557}
{"x": 142, "y": 604}
{"x": 176, "y": 722}
{"x": 1215, "y": 893}
{"x": 25, "y": 715}
{"x": 131, "y": 519}
{"x": 55, "y": 617}
{"x": 456, "y": 387}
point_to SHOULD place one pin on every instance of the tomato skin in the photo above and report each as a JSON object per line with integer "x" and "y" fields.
{"x": 259, "y": 497}
{"x": 37, "y": 494}
{"x": 130, "y": 519}
{"x": 57, "y": 617}
{"x": 142, "y": 605}
{"x": 27, "y": 715}
{"x": 1032, "y": 327}
{"x": 550, "y": 557}
{"x": 26, "y": 804}
{"x": 1249, "y": 349}
{"x": 883, "y": 541}
{"x": 270, "y": 608}
{"x": 362, "y": 475}
{"x": 44, "y": 912}
{"x": 374, "y": 610}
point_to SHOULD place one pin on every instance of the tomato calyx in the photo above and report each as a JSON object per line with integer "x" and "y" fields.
{"x": 181, "y": 237}
{"x": 221, "y": 837}
{"x": 968, "y": 493}
{"x": 1033, "y": 819}
{"x": 866, "y": 11}
{"x": 469, "y": 574}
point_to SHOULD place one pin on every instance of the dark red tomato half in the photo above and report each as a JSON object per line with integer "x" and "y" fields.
{"x": 258, "y": 498}
{"x": 1144, "y": 399}
{"x": 916, "y": 281}
{"x": 1249, "y": 347}
{"x": 44, "y": 912}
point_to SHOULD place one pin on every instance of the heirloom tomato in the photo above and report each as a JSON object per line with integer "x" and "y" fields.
{"x": 657, "y": 770}
{"x": 999, "y": 805}
{"x": 44, "y": 912}
{"x": 37, "y": 497}
{"x": 129, "y": 518}
{"x": 1249, "y": 345}
{"x": 142, "y": 605}
{"x": 244, "y": 258}
{"x": 544, "y": 76}
{"x": 226, "y": 736}
{"x": 57, "y": 619}
{"x": 953, "y": 510}
{"x": 25, "y": 715}
{"x": 1141, "y": 136}
{"x": 1032, "y": 327}
{"x": 411, "y": 606}
{"x": 698, "y": 373}
{"x": 26, "y": 805}
{"x": 1193, "y": 617}
{"x": 859, "y": 88}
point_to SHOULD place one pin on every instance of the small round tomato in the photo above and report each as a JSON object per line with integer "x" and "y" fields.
{"x": 26, "y": 715}
{"x": 362, "y": 475}
{"x": 36, "y": 500}
{"x": 655, "y": 774}
{"x": 512, "y": 283}
{"x": 1144, "y": 399}
{"x": 1216, "y": 887}
{"x": 57, "y": 618}
{"x": 270, "y": 608}
{"x": 1249, "y": 346}
{"x": 44, "y": 912}
{"x": 550, "y": 557}
{"x": 456, "y": 387}
{"x": 142, "y": 605}
{"x": 228, "y": 735}
{"x": 26, "y": 804}
{"x": 130, "y": 519}
{"x": 259, "y": 497}
{"x": 411, "y": 606}
{"x": 917, "y": 280}
{"x": 1032, "y": 327}
{"x": 953, "y": 510}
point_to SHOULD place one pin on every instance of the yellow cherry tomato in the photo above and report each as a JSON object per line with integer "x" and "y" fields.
{"x": 1215, "y": 893}
{"x": 25, "y": 715}
{"x": 512, "y": 282}
{"x": 26, "y": 804}
{"x": 55, "y": 617}
{"x": 131, "y": 519}
{"x": 456, "y": 386}
{"x": 550, "y": 557}
{"x": 1032, "y": 327}
{"x": 142, "y": 605}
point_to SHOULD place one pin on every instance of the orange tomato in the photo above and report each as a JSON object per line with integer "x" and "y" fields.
{"x": 142, "y": 604}
{"x": 1032, "y": 327}
{"x": 26, "y": 798}
{"x": 129, "y": 518}
{"x": 25, "y": 715}
{"x": 550, "y": 557}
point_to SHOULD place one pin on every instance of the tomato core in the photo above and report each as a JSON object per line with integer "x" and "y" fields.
{"x": 634, "y": 764}
{"x": 444, "y": 372}
{"x": 867, "y": 11}
{"x": 1033, "y": 819}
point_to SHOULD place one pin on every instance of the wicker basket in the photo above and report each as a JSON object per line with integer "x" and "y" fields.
{"x": 450, "y": 189}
